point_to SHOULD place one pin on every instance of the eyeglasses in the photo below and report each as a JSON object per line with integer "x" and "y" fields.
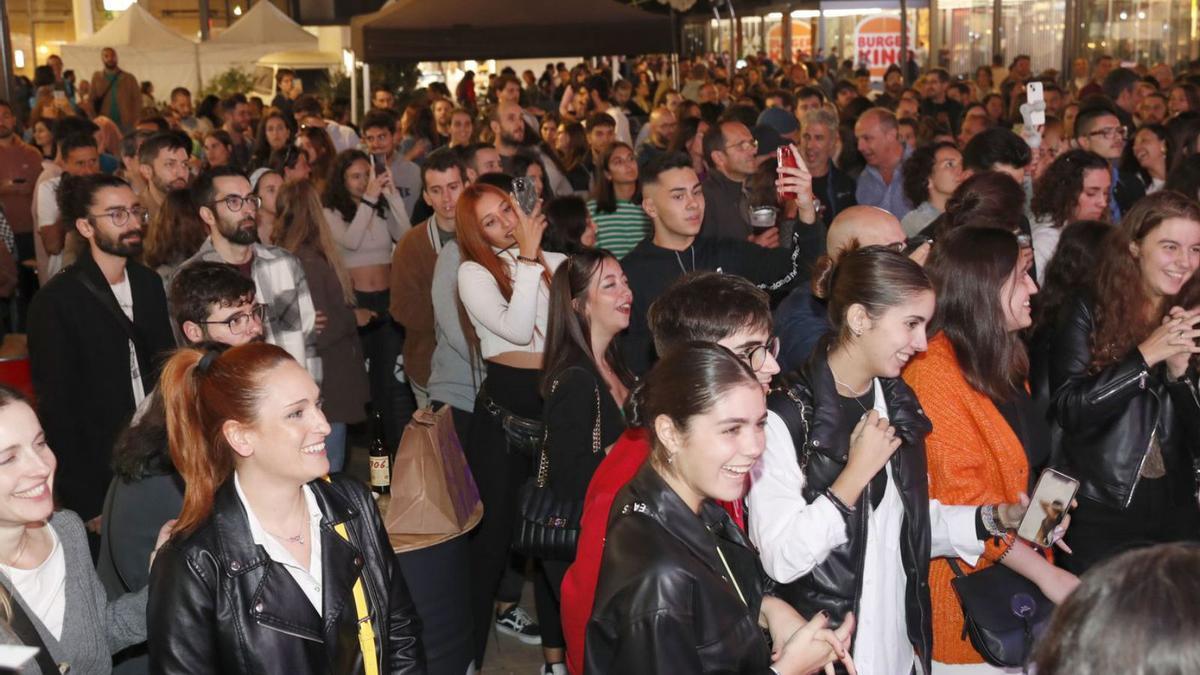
{"x": 238, "y": 323}
{"x": 1109, "y": 133}
{"x": 748, "y": 144}
{"x": 756, "y": 356}
{"x": 120, "y": 215}
{"x": 236, "y": 202}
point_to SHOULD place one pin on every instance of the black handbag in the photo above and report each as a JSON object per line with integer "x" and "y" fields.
{"x": 1004, "y": 613}
{"x": 548, "y": 527}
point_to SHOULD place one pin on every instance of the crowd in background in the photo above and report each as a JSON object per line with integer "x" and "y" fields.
{"x": 787, "y": 348}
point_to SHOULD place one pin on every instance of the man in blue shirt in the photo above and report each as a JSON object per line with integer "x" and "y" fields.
{"x": 881, "y": 183}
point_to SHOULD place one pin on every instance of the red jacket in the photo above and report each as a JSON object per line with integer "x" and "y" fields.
{"x": 579, "y": 585}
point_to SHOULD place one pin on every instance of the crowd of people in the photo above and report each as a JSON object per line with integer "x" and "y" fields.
{"x": 788, "y": 351}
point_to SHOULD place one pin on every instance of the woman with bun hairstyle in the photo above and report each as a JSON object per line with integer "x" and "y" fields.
{"x": 681, "y": 589}
{"x": 840, "y": 502}
{"x": 989, "y": 439}
{"x": 1122, "y": 394}
{"x": 272, "y": 563}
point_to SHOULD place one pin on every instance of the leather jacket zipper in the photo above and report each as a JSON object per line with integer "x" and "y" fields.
{"x": 286, "y": 632}
{"x": 1137, "y": 477}
{"x": 1114, "y": 387}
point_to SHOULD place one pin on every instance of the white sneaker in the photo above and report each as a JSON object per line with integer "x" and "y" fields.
{"x": 554, "y": 669}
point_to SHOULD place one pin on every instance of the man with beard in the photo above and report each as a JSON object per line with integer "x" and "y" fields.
{"x": 97, "y": 333}
{"x": 235, "y": 119}
{"x": 508, "y": 126}
{"x": 443, "y": 109}
{"x": 163, "y": 164}
{"x": 228, "y": 207}
{"x": 181, "y": 105}
{"x": 116, "y": 94}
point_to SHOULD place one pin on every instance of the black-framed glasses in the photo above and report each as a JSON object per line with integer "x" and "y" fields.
{"x": 120, "y": 215}
{"x": 756, "y": 356}
{"x": 236, "y": 202}
{"x": 238, "y": 323}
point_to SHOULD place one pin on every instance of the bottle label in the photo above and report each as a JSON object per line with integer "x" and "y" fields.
{"x": 381, "y": 472}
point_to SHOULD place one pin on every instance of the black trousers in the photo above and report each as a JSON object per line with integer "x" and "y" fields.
{"x": 435, "y": 577}
{"x": 1155, "y": 516}
{"x": 383, "y": 344}
{"x": 499, "y": 472}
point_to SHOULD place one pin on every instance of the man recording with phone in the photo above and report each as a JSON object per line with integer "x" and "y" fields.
{"x": 379, "y": 136}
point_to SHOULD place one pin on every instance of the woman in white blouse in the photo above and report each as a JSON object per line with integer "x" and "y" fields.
{"x": 367, "y": 217}
{"x": 504, "y": 285}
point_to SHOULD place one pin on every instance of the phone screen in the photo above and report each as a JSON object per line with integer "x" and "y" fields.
{"x": 378, "y": 164}
{"x": 1049, "y": 505}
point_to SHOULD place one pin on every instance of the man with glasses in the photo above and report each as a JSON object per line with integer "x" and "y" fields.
{"x": 163, "y": 164}
{"x": 97, "y": 332}
{"x": 730, "y": 154}
{"x": 213, "y": 307}
{"x": 228, "y": 207}
{"x": 1099, "y": 129}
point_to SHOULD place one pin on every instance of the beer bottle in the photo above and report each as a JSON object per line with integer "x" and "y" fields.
{"x": 380, "y": 458}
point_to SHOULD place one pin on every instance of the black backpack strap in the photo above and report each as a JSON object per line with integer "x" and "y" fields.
{"x": 27, "y": 633}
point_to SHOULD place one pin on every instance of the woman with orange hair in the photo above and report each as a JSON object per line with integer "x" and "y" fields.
{"x": 504, "y": 285}
{"x": 270, "y": 569}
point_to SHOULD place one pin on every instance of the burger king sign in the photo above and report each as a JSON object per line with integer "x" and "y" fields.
{"x": 877, "y": 43}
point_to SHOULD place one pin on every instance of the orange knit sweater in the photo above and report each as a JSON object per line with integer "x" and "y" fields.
{"x": 974, "y": 458}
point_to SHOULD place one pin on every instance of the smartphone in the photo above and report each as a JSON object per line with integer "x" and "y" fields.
{"x": 1049, "y": 505}
{"x": 525, "y": 192}
{"x": 915, "y": 242}
{"x": 378, "y": 164}
{"x": 1034, "y": 94}
{"x": 785, "y": 157}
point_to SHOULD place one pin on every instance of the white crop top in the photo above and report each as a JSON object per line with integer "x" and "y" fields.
{"x": 369, "y": 239}
{"x": 517, "y": 325}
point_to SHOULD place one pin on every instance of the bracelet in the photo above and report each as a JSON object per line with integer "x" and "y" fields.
{"x": 370, "y": 203}
{"x": 990, "y": 523}
{"x": 1009, "y": 540}
{"x": 531, "y": 261}
{"x": 838, "y": 503}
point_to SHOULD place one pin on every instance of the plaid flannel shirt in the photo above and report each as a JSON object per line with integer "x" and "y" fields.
{"x": 280, "y": 285}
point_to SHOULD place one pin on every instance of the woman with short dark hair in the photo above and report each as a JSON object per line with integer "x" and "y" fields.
{"x": 1074, "y": 187}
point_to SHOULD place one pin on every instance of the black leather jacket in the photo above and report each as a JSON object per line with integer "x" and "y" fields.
{"x": 1102, "y": 422}
{"x": 219, "y": 604}
{"x": 810, "y": 408}
{"x": 664, "y": 601}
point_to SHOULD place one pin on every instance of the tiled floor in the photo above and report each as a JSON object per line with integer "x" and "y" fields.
{"x": 506, "y": 655}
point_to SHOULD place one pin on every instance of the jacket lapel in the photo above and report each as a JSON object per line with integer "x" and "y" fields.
{"x": 341, "y": 565}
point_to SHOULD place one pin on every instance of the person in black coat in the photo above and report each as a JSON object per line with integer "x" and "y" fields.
{"x": 680, "y": 588}
{"x": 96, "y": 335}
{"x": 273, "y": 567}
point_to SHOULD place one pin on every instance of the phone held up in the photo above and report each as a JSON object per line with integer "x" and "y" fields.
{"x": 1048, "y": 506}
{"x": 378, "y": 164}
{"x": 785, "y": 157}
{"x": 525, "y": 192}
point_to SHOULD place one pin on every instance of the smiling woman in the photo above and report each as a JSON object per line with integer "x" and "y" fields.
{"x": 49, "y": 583}
{"x": 267, "y": 558}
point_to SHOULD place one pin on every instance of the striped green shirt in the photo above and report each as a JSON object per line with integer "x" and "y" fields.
{"x": 622, "y": 229}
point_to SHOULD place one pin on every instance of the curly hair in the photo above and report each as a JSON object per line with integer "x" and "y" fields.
{"x": 1071, "y": 271}
{"x": 917, "y": 170}
{"x": 1057, "y": 192}
{"x": 1122, "y": 320}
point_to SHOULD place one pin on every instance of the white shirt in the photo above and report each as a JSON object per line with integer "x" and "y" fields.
{"x": 516, "y": 325}
{"x": 623, "y": 133}
{"x": 44, "y": 588}
{"x": 124, "y": 294}
{"x": 794, "y": 536}
{"x": 308, "y": 578}
{"x": 47, "y": 214}
{"x": 343, "y": 137}
{"x": 1045, "y": 242}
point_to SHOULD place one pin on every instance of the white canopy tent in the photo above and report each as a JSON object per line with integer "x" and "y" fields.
{"x": 263, "y": 29}
{"x": 145, "y": 47}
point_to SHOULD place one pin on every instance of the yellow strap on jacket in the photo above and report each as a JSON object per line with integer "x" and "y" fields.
{"x": 366, "y": 630}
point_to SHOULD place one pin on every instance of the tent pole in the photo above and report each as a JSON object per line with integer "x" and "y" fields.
{"x": 204, "y": 20}
{"x": 366, "y": 89}
{"x": 353, "y": 98}
{"x": 6, "y": 65}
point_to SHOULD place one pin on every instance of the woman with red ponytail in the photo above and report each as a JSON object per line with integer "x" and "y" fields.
{"x": 274, "y": 567}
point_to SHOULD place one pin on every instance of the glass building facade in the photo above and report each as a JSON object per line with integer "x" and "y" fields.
{"x": 962, "y": 35}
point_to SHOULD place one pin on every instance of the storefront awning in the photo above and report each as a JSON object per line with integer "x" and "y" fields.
{"x": 441, "y": 30}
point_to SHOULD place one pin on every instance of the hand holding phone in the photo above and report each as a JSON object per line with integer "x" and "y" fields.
{"x": 525, "y": 192}
{"x": 1048, "y": 507}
